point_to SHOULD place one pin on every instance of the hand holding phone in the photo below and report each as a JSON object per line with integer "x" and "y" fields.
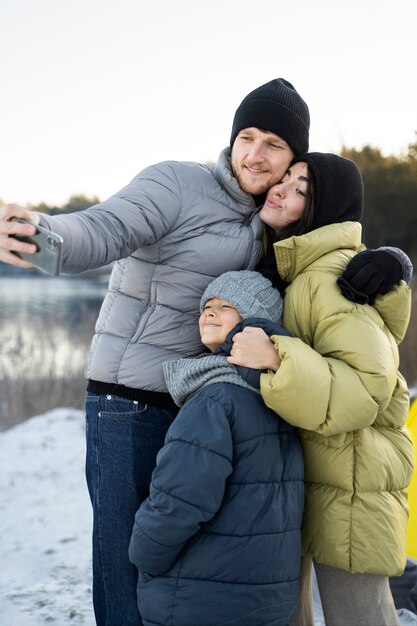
{"x": 48, "y": 253}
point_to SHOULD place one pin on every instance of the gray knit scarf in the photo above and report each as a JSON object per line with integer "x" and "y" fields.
{"x": 187, "y": 376}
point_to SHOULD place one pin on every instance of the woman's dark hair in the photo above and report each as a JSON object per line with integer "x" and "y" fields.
{"x": 267, "y": 265}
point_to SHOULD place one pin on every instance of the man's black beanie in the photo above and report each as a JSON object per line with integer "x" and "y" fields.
{"x": 278, "y": 108}
{"x": 338, "y": 188}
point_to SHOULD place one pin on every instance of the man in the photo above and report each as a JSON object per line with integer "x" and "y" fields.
{"x": 171, "y": 231}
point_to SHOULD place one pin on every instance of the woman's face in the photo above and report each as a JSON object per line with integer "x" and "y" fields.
{"x": 285, "y": 202}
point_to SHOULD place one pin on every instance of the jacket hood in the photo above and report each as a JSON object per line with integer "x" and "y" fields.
{"x": 312, "y": 252}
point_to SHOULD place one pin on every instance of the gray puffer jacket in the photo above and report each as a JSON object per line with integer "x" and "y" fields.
{"x": 172, "y": 230}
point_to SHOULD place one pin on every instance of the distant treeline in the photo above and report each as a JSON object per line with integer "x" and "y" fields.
{"x": 75, "y": 203}
{"x": 390, "y": 216}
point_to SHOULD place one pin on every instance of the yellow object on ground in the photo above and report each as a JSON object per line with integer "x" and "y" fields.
{"x": 412, "y": 489}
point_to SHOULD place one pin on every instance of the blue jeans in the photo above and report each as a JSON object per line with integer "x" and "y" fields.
{"x": 123, "y": 438}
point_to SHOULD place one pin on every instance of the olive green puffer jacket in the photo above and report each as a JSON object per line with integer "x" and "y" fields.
{"x": 341, "y": 386}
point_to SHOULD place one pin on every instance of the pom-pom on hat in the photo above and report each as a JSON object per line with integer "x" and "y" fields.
{"x": 249, "y": 292}
{"x": 338, "y": 187}
{"x": 278, "y": 108}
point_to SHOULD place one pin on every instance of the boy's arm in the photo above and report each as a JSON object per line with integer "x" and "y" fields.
{"x": 187, "y": 486}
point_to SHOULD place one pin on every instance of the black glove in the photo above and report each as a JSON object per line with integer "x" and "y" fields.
{"x": 368, "y": 274}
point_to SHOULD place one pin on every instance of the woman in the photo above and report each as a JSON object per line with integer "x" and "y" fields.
{"x": 341, "y": 387}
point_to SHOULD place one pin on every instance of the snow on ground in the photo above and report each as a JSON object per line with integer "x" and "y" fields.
{"x": 45, "y": 523}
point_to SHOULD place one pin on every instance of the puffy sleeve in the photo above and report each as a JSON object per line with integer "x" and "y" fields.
{"x": 341, "y": 370}
{"x": 187, "y": 485}
{"x": 395, "y": 309}
{"x": 138, "y": 215}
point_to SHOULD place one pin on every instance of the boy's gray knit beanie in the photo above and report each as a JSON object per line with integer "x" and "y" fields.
{"x": 252, "y": 294}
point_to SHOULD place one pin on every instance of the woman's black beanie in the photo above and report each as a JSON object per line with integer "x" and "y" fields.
{"x": 278, "y": 108}
{"x": 338, "y": 188}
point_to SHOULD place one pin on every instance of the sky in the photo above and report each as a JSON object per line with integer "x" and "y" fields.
{"x": 93, "y": 91}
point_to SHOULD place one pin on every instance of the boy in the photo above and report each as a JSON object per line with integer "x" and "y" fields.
{"x": 218, "y": 540}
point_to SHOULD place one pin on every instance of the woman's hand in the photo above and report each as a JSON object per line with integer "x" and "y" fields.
{"x": 253, "y": 348}
{"x": 8, "y": 244}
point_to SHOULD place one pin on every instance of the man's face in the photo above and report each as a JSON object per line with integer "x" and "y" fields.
{"x": 259, "y": 160}
{"x": 216, "y": 321}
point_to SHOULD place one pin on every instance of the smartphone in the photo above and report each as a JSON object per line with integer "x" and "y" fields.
{"x": 48, "y": 256}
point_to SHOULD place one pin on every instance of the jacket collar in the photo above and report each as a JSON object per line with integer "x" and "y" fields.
{"x": 295, "y": 254}
{"x": 224, "y": 175}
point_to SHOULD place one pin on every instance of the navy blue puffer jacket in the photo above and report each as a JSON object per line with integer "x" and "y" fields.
{"x": 218, "y": 540}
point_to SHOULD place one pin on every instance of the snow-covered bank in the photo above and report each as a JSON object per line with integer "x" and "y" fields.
{"x": 45, "y": 523}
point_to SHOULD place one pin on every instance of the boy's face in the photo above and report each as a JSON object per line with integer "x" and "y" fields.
{"x": 216, "y": 321}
